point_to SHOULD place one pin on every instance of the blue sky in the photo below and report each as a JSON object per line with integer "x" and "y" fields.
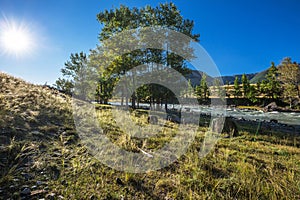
{"x": 240, "y": 36}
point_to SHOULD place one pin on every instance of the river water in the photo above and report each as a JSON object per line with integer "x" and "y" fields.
{"x": 282, "y": 117}
{"x": 291, "y": 118}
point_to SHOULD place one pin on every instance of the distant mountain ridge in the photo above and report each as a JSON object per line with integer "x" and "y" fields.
{"x": 230, "y": 79}
{"x": 196, "y": 76}
{"x": 259, "y": 77}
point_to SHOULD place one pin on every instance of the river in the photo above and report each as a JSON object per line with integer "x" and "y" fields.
{"x": 291, "y": 118}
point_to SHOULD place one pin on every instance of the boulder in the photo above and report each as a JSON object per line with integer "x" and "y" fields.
{"x": 271, "y": 107}
{"x": 152, "y": 119}
{"x": 275, "y": 121}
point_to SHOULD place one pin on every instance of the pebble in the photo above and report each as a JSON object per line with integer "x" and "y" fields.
{"x": 64, "y": 182}
{"x": 16, "y": 180}
{"x": 119, "y": 181}
{"x": 26, "y": 191}
{"x": 51, "y": 196}
{"x": 69, "y": 142}
{"x": 24, "y": 186}
{"x": 26, "y": 176}
{"x": 39, "y": 182}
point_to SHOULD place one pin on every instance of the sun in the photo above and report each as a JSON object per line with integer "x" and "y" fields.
{"x": 15, "y": 38}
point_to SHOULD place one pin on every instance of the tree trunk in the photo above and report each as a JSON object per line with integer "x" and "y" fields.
{"x": 122, "y": 97}
{"x": 126, "y": 102}
{"x": 133, "y": 99}
{"x": 166, "y": 103}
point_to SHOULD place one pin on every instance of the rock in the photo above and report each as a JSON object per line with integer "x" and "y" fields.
{"x": 50, "y": 196}
{"x": 152, "y": 119}
{"x": 173, "y": 118}
{"x": 16, "y": 180}
{"x": 273, "y": 121}
{"x": 64, "y": 182}
{"x": 119, "y": 181}
{"x": 188, "y": 109}
{"x": 26, "y": 191}
{"x": 271, "y": 107}
{"x": 37, "y": 193}
{"x": 26, "y": 176}
{"x": 39, "y": 183}
{"x": 64, "y": 133}
{"x": 241, "y": 119}
{"x": 34, "y": 187}
{"x": 296, "y": 102}
{"x": 42, "y": 147}
{"x": 24, "y": 186}
{"x": 4, "y": 140}
{"x": 93, "y": 197}
{"x": 68, "y": 142}
{"x": 225, "y": 125}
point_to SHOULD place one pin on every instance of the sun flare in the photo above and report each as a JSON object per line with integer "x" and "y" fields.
{"x": 15, "y": 39}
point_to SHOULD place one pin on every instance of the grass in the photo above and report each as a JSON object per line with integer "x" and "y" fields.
{"x": 45, "y": 154}
{"x": 250, "y": 107}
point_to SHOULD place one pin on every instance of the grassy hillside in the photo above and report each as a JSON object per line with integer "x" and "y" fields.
{"x": 41, "y": 156}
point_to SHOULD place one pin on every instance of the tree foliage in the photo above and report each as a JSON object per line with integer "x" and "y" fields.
{"x": 245, "y": 85}
{"x": 202, "y": 90}
{"x": 76, "y": 75}
{"x": 237, "y": 87}
{"x": 272, "y": 85}
{"x": 124, "y": 18}
{"x": 289, "y": 75}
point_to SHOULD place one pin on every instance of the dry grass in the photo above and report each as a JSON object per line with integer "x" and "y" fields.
{"x": 43, "y": 150}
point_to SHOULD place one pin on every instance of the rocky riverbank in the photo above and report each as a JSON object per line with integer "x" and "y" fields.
{"x": 268, "y": 126}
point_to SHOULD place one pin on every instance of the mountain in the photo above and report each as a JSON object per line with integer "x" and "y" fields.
{"x": 195, "y": 77}
{"x": 230, "y": 79}
{"x": 259, "y": 77}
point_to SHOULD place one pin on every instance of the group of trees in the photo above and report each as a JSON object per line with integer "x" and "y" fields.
{"x": 280, "y": 82}
{"x": 110, "y": 68}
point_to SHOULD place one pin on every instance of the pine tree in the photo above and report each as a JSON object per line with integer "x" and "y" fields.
{"x": 272, "y": 84}
{"x": 77, "y": 76}
{"x": 245, "y": 85}
{"x": 204, "y": 87}
{"x": 237, "y": 88}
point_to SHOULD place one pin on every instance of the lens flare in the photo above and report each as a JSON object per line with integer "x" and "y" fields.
{"x": 15, "y": 38}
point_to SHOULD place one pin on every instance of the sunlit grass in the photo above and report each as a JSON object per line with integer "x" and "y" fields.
{"x": 44, "y": 144}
